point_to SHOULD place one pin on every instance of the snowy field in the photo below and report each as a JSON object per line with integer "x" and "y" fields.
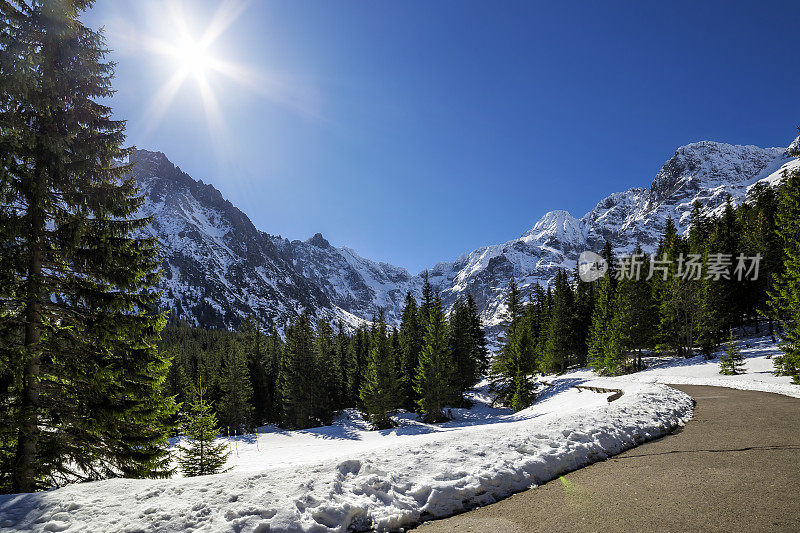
{"x": 346, "y": 477}
{"x": 759, "y": 370}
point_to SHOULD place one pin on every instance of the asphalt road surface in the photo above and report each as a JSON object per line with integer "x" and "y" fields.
{"x": 734, "y": 467}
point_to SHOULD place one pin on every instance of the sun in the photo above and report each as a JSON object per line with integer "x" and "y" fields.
{"x": 193, "y": 57}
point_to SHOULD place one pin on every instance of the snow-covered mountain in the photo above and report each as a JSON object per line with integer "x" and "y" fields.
{"x": 219, "y": 268}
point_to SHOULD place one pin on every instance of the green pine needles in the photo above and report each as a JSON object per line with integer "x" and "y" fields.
{"x": 381, "y": 391}
{"x": 198, "y": 454}
{"x": 784, "y": 297}
{"x": 731, "y": 363}
{"x": 82, "y": 395}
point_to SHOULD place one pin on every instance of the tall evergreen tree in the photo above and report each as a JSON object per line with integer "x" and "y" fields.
{"x": 411, "y": 333}
{"x": 585, "y": 301}
{"x": 461, "y": 350}
{"x": 235, "y": 409}
{"x": 679, "y": 298}
{"x": 433, "y": 380}
{"x": 643, "y": 310}
{"x": 326, "y": 373}
{"x": 198, "y": 455}
{"x": 298, "y": 375}
{"x": 514, "y": 366}
{"x": 258, "y": 364}
{"x": 602, "y": 320}
{"x": 77, "y": 329}
{"x": 785, "y": 297}
{"x": 480, "y": 352}
{"x": 561, "y": 338}
{"x": 380, "y": 392}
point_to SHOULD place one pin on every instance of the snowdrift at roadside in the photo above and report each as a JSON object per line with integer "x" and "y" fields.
{"x": 424, "y": 476}
{"x": 759, "y": 370}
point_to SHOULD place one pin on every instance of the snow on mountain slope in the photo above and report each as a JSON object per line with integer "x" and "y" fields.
{"x": 707, "y": 172}
{"x": 219, "y": 268}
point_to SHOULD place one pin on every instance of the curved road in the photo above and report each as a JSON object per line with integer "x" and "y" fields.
{"x": 734, "y": 467}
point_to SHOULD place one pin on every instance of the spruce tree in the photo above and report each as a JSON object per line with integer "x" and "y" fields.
{"x": 784, "y": 299}
{"x": 235, "y": 409}
{"x": 411, "y": 334}
{"x": 198, "y": 455}
{"x": 731, "y": 363}
{"x": 480, "y": 353}
{"x": 643, "y": 311}
{"x": 298, "y": 376}
{"x": 433, "y": 380}
{"x": 511, "y": 376}
{"x": 602, "y": 319}
{"x": 461, "y": 351}
{"x": 561, "y": 338}
{"x": 326, "y": 373}
{"x": 619, "y": 342}
{"x": 585, "y": 301}
{"x": 380, "y": 392}
{"x": 467, "y": 347}
{"x": 342, "y": 351}
{"x": 680, "y": 302}
{"x": 78, "y": 331}
{"x": 254, "y": 342}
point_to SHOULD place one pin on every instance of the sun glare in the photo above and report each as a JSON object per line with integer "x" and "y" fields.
{"x": 193, "y": 57}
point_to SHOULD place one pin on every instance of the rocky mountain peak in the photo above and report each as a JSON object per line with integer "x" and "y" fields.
{"x": 319, "y": 241}
{"x": 219, "y": 268}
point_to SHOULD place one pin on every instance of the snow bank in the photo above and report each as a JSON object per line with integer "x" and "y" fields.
{"x": 759, "y": 354}
{"x": 414, "y": 475}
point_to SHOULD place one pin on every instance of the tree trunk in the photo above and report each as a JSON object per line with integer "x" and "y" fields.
{"x": 24, "y": 469}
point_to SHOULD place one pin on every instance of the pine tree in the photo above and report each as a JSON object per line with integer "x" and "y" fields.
{"x": 199, "y": 456}
{"x": 298, "y": 376}
{"x": 619, "y": 342}
{"x": 679, "y": 299}
{"x": 511, "y": 376}
{"x": 254, "y": 341}
{"x": 480, "y": 353}
{"x": 380, "y": 392}
{"x": 643, "y": 311}
{"x": 784, "y": 299}
{"x": 602, "y": 319}
{"x": 461, "y": 350}
{"x": 235, "y": 408}
{"x": 326, "y": 374}
{"x": 762, "y": 238}
{"x": 433, "y": 380}
{"x": 78, "y": 332}
{"x": 585, "y": 301}
{"x": 732, "y": 362}
{"x": 342, "y": 351}
{"x": 560, "y": 347}
{"x": 411, "y": 334}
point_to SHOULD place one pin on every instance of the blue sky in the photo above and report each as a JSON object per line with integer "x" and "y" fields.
{"x": 416, "y": 131}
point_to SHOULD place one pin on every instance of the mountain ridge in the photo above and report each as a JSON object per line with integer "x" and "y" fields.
{"x": 220, "y": 268}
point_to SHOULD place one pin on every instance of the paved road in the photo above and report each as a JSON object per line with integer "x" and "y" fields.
{"x": 734, "y": 467}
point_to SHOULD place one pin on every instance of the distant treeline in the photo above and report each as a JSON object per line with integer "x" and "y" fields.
{"x": 690, "y": 301}
{"x": 253, "y": 377}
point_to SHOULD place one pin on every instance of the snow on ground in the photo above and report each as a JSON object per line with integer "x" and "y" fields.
{"x": 346, "y": 477}
{"x": 759, "y": 354}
